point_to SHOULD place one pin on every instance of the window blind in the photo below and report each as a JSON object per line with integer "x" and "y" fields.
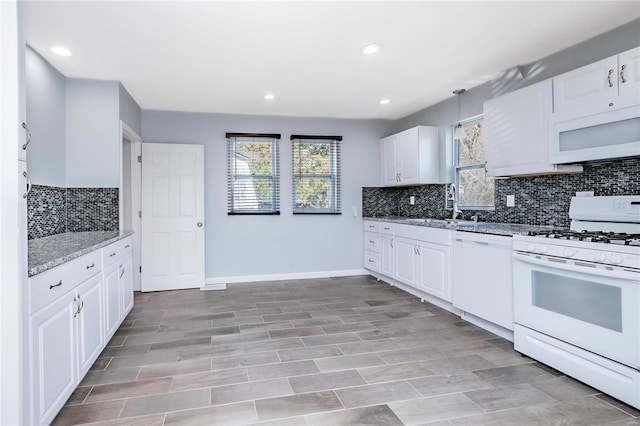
{"x": 253, "y": 173}
{"x": 316, "y": 174}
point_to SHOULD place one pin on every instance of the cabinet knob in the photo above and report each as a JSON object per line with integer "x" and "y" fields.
{"x": 199, "y": 224}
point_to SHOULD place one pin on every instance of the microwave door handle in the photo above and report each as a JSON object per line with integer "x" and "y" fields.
{"x": 617, "y": 273}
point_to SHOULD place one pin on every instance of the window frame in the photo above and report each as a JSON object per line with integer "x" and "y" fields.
{"x": 457, "y": 168}
{"x": 334, "y": 176}
{"x": 273, "y": 177}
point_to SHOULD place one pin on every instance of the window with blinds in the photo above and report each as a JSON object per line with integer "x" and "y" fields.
{"x": 253, "y": 181}
{"x": 316, "y": 174}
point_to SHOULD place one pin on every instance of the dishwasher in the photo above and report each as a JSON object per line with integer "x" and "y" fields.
{"x": 482, "y": 277}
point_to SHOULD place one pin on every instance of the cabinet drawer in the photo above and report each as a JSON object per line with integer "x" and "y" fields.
{"x": 372, "y": 241}
{"x": 372, "y": 261}
{"x": 46, "y": 287}
{"x": 371, "y": 226}
{"x": 386, "y": 228}
{"x": 113, "y": 252}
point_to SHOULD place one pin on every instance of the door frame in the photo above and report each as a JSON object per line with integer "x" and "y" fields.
{"x": 127, "y": 133}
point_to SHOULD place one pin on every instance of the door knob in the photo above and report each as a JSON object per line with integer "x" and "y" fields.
{"x": 199, "y": 224}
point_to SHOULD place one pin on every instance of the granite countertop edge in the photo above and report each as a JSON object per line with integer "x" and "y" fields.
{"x": 494, "y": 228}
{"x": 48, "y": 252}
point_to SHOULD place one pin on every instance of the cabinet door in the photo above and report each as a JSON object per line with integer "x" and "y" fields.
{"x": 111, "y": 300}
{"x": 389, "y": 160}
{"x": 405, "y": 261}
{"x": 408, "y": 154}
{"x": 586, "y": 90}
{"x": 126, "y": 284}
{"x": 434, "y": 272}
{"x": 52, "y": 358}
{"x": 89, "y": 323}
{"x": 629, "y": 77}
{"x": 516, "y": 131}
{"x": 387, "y": 244}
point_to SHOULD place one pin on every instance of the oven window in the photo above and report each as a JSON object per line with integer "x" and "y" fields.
{"x": 587, "y": 301}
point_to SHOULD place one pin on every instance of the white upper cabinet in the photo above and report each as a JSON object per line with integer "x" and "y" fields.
{"x": 411, "y": 157}
{"x": 517, "y": 131}
{"x": 611, "y": 83}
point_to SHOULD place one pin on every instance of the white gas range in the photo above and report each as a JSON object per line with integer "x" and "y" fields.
{"x": 577, "y": 295}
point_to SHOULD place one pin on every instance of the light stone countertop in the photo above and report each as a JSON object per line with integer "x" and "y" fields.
{"x": 508, "y": 229}
{"x": 48, "y": 252}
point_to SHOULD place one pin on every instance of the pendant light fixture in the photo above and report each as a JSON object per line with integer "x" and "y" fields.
{"x": 458, "y": 132}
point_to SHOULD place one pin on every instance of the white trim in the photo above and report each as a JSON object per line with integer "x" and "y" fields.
{"x": 129, "y": 134}
{"x": 282, "y": 277}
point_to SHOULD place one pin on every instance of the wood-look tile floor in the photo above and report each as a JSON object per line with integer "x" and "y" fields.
{"x": 334, "y": 351}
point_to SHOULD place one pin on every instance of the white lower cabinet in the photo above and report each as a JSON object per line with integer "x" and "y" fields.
{"x": 434, "y": 271}
{"x": 417, "y": 256}
{"x": 52, "y": 358}
{"x": 73, "y": 309}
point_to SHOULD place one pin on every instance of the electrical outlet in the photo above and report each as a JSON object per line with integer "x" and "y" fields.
{"x": 412, "y": 200}
{"x": 511, "y": 200}
{"x": 355, "y": 211}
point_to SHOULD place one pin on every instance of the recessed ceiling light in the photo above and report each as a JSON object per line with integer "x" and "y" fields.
{"x": 384, "y": 101}
{"x": 269, "y": 97}
{"x": 371, "y": 49}
{"x": 61, "y": 50}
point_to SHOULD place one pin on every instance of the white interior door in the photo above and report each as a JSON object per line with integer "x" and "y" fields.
{"x": 172, "y": 216}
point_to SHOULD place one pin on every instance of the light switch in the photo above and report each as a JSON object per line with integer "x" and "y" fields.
{"x": 511, "y": 200}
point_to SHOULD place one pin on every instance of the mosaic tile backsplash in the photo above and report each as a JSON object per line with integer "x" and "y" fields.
{"x": 540, "y": 200}
{"x": 53, "y": 210}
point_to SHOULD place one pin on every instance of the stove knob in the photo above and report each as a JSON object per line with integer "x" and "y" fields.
{"x": 600, "y": 257}
{"x": 615, "y": 258}
{"x": 542, "y": 249}
{"x": 532, "y": 247}
{"x": 568, "y": 252}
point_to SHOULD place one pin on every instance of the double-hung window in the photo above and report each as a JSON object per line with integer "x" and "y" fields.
{"x": 253, "y": 167}
{"x": 475, "y": 189}
{"x": 316, "y": 174}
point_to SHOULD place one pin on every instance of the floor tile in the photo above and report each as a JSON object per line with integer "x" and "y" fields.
{"x": 309, "y": 353}
{"x": 86, "y": 413}
{"x": 563, "y": 388}
{"x": 376, "y": 394}
{"x": 272, "y": 371}
{"x": 174, "y": 401}
{"x": 378, "y": 415}
{"x": 514, "y": 374}
{"x": 110, "y": 376}
{"x": 296, "y": 332}
{"x": 209, "y": 379}
{"x": 326, "y": 381}
{"x": 250, "y": 391}
{"x": 462, "y": 363}
{"x": 269, "y": 345}
{"x": 511, "y": 396}
{"x": 424, "y": 410}
{"x": 449, "y": 383}
{"x": 175, "y": 368}
{"x": 330, "y": 339}
{"x": 348, "y": 362}
{"x": 297, "y": 405}
{"x": 223, "y": 415}
{"x": 388, "y": 373}
{"x": 129, "y": 389}
{"x": 151, "y": 420}
{"x": 244, "y": 360}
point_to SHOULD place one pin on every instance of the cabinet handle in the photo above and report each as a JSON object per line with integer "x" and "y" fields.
{"x": 26, "y": 175}
{"x": 28, "y": 141}
{"x": 622, "y": 79}
{"x": 399, "y": 177}
{"x": 91, "y": 266}
{"x": 51, "y": 286}
{"x": 112, "y": 254}
{"x": 609, "y": 78}
{"x": 127, "y": 246}
{"x": 122, "y": 272}
{"x": 77, "y": 311}
{"x": 391, "y": 242}
{"x": 81, "y": 306}
{"x": 371, "y": 241}
{"x": 370, "y": 261}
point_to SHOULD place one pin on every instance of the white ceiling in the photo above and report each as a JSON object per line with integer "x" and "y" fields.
{"x": 213, "y": 56}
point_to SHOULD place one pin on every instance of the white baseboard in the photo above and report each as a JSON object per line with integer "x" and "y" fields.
{"x": 282, "y": 277}
{"x": 213, "y": 286}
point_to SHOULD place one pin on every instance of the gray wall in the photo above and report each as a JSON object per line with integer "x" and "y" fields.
{"x": 257, "y": 245}
{"x": 46, "y": 119}
{"x": 93, "y": 133}
{"x": 130, "y": 111}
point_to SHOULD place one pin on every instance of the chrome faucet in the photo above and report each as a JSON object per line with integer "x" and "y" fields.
{"x": 453, "y": 198}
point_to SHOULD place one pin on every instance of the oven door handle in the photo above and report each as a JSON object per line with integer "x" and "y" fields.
{"x": 610, "y": 273}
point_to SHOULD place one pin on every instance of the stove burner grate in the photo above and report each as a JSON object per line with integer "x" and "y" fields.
{"x": 589, "y": 236}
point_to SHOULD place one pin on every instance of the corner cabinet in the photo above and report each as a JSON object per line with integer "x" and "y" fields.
{"x": 411, "y": 157}
{"x": 517, "y": 131}
{"x": 69, "y": 308}
{"x": 418, "y": 257}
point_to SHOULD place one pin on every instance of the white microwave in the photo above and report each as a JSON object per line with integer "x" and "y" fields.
{"x": 611, "y": 134}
